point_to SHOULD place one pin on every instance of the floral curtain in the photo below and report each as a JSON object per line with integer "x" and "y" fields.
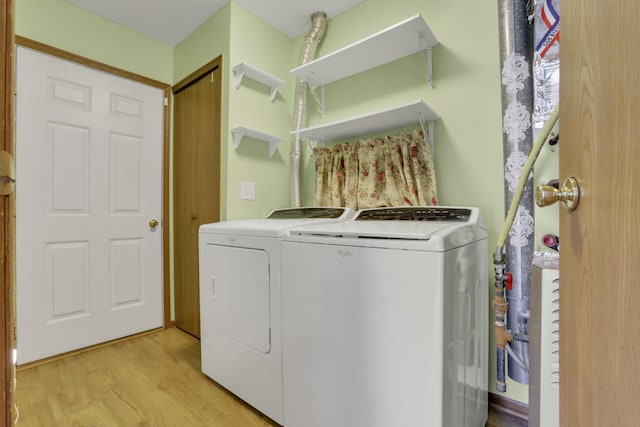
{"x": 388, "y": 171}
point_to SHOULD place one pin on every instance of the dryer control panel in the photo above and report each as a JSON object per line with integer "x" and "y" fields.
{"x": 311, "y": 212}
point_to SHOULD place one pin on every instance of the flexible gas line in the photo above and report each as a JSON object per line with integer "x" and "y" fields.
{"x": 524, "y": 176}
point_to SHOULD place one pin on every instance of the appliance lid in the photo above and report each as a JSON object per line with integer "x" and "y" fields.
{"x": 278, "y": 222}
{"x": 403, "y": 223}
{"x": 374, "y": 229}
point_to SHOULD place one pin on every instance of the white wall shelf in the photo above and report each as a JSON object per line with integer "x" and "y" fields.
{"x": 402, "y": 39}
{"x": 241, "y": 70}
{"x": 376, "y": 121}
{"x": 240, "y": 132}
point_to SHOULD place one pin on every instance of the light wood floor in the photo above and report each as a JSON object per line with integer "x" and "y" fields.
{"x": 153, "y": 380}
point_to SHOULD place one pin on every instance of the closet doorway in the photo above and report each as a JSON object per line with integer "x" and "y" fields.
{"x": 196, "y": 182}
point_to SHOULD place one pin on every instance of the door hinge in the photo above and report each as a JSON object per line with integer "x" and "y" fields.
{"x": 7, "y": 173}
{"x": 166, "y": 101}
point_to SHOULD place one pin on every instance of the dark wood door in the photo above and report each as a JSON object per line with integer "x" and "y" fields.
{"x": 196, "y": 183}
{"x": 600, "y": 257}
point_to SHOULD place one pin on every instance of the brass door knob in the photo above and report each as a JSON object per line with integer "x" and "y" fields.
{"x": 153, "y": 223}
{"x": 569, "y": 194}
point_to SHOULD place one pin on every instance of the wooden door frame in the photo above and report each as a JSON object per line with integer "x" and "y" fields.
{"x": 7, "y": 211}
{"x": 198, "y": 74}
{"x": 166, "y": 88}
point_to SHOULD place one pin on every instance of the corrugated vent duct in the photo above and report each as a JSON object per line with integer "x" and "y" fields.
{"x": 311, "y": 41}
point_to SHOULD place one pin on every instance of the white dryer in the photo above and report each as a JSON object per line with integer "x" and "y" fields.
{"x": 240, "y": 302}
{"x": 385, "y": 320}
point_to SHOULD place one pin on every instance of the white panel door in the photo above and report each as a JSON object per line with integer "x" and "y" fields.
{"x": 89, "y": 180}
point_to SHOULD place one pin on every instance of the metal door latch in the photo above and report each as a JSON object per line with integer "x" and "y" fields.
{"x": 7, "y": 173}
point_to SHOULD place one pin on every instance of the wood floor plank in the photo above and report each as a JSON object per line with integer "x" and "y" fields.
{"x": 152, "y": 380}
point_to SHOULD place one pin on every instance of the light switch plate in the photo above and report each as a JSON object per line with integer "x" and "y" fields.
{"x": 248, "y": 190}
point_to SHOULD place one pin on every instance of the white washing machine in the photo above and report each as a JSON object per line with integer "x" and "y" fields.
{"x": 240, "y": 302}
{"x": 385, "y": 320}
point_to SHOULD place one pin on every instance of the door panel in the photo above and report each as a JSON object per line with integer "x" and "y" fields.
{"x": 67, "y": 279}
{"x": 67, "y": 166}
{"x": 126, "y": 273}
{"x": 196, "y": 185}
{"x": 599, "y": 269}
{"x": 125, "y": 180}
{"x": 89, "y": 163}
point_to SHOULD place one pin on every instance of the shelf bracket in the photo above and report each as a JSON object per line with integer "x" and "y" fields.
{"x": 313, "y": 143}
{"x": 431, "y": 138}
{"x": 425, "y": 49}
{"x": 273, "y": 91}
{"x": 318, "y": 99}
{"x": 238, "y": 77}
{"x": 430, "y": 67}
{"x": 428, "y": 131}
{"x": 238, "y": 134}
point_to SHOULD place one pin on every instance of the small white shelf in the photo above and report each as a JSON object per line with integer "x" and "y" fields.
{"x": 258, "y": 75}
{"x": 365, "y": 124}
{"x": 395, "y": 42}
{"x": 240, "y": 132}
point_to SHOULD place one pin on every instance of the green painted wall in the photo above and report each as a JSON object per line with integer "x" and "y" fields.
{"x": 466, "y": 93}
{"x": 206, "y": 43}
{"x": 65, "y": 26}
{"x": 256, "y": 43}
{"x": 241, "y": 37}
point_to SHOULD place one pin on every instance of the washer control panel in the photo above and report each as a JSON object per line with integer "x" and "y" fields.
{"x": 415, "y": 213}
